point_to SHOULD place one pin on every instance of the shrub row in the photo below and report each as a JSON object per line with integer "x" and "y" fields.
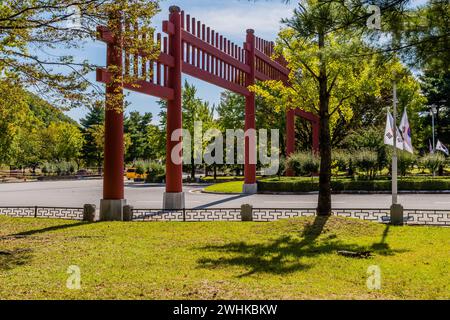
{"x": 272, "y": 185}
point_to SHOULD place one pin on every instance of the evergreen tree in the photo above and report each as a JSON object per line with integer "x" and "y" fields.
{"x": 91, "y": 152}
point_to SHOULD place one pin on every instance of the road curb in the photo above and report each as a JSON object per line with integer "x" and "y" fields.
{"x": 337, "y": 192}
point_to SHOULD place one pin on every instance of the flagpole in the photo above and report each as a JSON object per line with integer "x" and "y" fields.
{"x": 433, "y": 110}
{"x": 394, "y": 153}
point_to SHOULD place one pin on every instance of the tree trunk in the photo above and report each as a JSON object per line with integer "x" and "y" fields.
{"x": 324, "y": 205}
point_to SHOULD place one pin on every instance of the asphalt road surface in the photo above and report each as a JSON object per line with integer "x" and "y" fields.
{"x": 77, "y": 193}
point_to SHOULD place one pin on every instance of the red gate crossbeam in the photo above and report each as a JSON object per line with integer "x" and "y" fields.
{"x": 154, "y": 72}
{"x": 306, "y": 115}
{"x": 209, "y": 56}
{"x": 290, "y": 131}
{"x": 266, "y": 67}
{"x": 190, "y": 47}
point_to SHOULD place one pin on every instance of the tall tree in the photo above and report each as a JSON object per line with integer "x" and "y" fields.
{"x": 194, "y": 110}
{"x": 13, "y": 114}
{"x": 436, "y": 89}
{"x": 62, "y": 141}
{"x": 92, "y": 151}
{"x": 231, "y": 114}
{"x": 30, "y": 30}
{"x": 143, "y": 135}
{"x": 327, "y": 75}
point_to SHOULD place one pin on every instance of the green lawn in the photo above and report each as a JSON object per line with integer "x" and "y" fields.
{"x": 226, "y": 187}
{"x": 290, "y": 259}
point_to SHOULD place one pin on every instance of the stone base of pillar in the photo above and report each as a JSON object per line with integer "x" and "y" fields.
{"x": 397, "y": 214}
{"x": 173, "y": 201}
{"x": 112, "y": 210}
{"x": 250, "y": 188}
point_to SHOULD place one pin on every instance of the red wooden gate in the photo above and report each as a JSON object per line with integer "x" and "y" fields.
{"x": 197, "y": 50}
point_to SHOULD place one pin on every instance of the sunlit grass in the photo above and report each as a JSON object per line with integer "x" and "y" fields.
{"x": 226, "y": 187}
{"x": 289, "y": 259}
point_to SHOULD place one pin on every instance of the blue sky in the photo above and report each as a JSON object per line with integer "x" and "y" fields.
{"x": 231, "y": 18}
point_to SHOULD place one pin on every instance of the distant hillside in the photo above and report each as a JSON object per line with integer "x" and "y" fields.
{"x": 44, "y": 111}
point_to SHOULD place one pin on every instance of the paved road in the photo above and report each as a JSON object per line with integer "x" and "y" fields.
{"x": 77, "y": 193}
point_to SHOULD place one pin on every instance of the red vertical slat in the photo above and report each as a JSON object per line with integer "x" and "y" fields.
{"x": 213, "y": 58}
{"x": 144, "y": 61}
{"x": 127, "y": 55}
{"x": 198, "y": 36}
{"x": 166, "y": 68}
{"x": 188, "y": 46}
{"x": 220, "y": 62}
{"x": 228, "y": 65}
{"x": 136, "y": 56}
{"x": 237, "y": 69}
{"x": 194, "y": 49}
{"x": 203, "y": 53}
{"x": 208, "y": 39}
{"x": 182, "y": 20}
{"x": 158, "y": 65}
{"x": 216, "y": 69}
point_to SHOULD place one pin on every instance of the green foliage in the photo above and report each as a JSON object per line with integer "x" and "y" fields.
{"x": 142, "y": 134}
{"x": 31, "y": 31}
{"x": 339, "y": 185}
{"x": 33, "y": 131}
{"x": 140, "y": 169}
{"x": 367, "y": 161}
{"x": 91, "y": 124}
{"x": 436, "y": 87}
{"x": 62, "y": 141}
{"x": 156, "y": 172}
{"x": 370, "y": 138}
{"x": 424, "y": 35}
{"x": 303, "y": 163}
{"x": 433, "y": 161}
{"x": 405, "y": 162}
{"x": 341, "y": 159}
{"x": 59, "y": 168}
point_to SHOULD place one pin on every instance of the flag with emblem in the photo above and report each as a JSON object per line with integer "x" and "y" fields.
{"x": 441, "y": 147}
{"x": 389, "y": 133}
{"x": 405, "y": 129}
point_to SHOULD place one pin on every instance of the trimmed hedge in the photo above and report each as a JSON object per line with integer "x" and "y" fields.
{"x": 296, "y": 185}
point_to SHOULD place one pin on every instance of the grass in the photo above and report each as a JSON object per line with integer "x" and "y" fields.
{"x": 226, "y": 187}
{"x": 289, "y": 259}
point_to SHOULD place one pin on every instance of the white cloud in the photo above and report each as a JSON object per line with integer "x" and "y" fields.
{"x": 264, "y": 19}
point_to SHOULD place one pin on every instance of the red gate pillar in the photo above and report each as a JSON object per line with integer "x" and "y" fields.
{"x": 174, "y": 196}
{"x": 111, "y": 206}
{"x": 290, "y": 137}
{"x": 250, "y": 185}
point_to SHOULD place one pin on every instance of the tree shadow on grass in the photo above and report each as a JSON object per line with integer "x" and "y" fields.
{"x": 44, "y": 230}
{"x": 10, "y": 259}
{"x": 14, "y": 258}
{"x": 282, "y": 255}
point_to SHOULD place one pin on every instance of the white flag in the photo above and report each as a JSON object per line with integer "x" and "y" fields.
{"x": 389, "y": 133}
{"x": 441, "y": 147}
{"x": 406, "y": 133}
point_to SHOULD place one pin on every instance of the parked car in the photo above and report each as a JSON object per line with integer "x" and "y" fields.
{"x": 132, "y": 175}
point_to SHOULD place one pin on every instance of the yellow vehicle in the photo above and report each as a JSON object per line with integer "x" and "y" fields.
{"x": 131, "y": 174}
